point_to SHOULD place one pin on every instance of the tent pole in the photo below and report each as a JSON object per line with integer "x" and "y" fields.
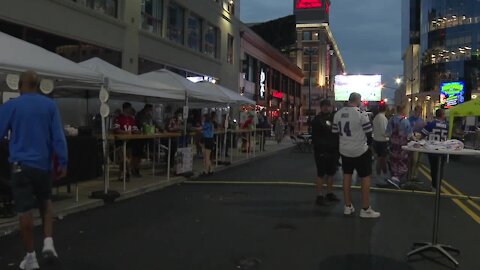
{"x": 224, "y": 154}
{"x": 105, "y": 156}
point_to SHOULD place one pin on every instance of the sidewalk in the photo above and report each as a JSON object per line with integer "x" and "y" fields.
{"x": 67, "y": 203}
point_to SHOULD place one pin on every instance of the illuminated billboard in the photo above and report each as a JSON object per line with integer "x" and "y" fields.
{"x": 369, "y": 86}
{"x": 308, "y": 4}
{"x": 451, "y": 94}
{"x": 311, "y": 11}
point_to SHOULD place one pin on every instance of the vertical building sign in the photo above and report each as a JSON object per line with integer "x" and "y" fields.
{"x": 263, "y": 84}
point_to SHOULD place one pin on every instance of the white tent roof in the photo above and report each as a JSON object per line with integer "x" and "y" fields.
{"x": 18, "y": 55}
{"x": 123, "y": 82}
{"x": 193, "y": 91}
{"x": 231, "y": 96}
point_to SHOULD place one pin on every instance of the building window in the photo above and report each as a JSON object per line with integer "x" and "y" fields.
{"x": 229, "y": 6}
{"x": 194, "y": 38}
{"x": 314, "y": 66}
{"x": 307, "y": 35}
{"x": 315, "y": 35}
{"x": 230, "y": 49}
{"x": 107, "y": 7}
{"x": 152, "y": 11}
{"x": 250, "y": 65}
{"x": 176, "y": 16}
{"x": 306, "y": 67}
{"x": 145, "y": 65}
{"x": 276, "y": 80}
{"x": 211, "y": 40}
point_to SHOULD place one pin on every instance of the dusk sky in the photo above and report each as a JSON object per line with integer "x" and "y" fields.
{"x": 368, "y": 32}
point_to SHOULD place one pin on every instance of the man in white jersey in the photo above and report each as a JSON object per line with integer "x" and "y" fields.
{"x": 355, "y": 130}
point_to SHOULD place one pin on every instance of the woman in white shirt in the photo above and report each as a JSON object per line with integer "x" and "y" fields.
{"x": 380, "y": 141}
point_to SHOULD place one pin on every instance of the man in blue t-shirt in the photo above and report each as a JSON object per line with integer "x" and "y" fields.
{"x": 416, "y": 120}
{"x": 437, "y": 130}
{"x": 36, "y": 138}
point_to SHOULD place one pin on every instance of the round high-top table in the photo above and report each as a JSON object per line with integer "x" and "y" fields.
{"x": 434, "y": 245}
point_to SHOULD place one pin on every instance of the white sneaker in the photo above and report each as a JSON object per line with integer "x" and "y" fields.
{"x": 369, "y": 213}
{"x": 48, "y": 251}
{"x": 348, "y": 210}
{"x": 29, "y": 262}
{"x": 394, "y": 181}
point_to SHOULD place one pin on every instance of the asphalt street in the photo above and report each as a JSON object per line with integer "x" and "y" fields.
{"x": 243, "y": 225}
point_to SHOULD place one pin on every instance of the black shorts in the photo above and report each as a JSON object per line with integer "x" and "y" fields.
{"x": 134, "y": 147}
{"x": 327, "y": 163}
{"x": 29, "y": 187}
{"x": 363, "y": 164}
{"x": 137, "y": 147}
{"x": 208, "y": 143}
{"x": 381, "y": 148}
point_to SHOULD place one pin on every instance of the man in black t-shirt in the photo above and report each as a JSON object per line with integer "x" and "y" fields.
{"x": 325, "y": 151}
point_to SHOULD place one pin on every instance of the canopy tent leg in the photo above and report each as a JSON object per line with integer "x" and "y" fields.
{"x": 168, "y": 159}
{"x": 224, "y": 154}
{"x": 231, "y": 148}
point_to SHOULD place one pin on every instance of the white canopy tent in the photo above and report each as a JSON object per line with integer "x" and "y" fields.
{"x": 232, "y": 98}
{"x": 123, "y": 82}
{"x": 195, "y": 93}
{"x": 18, "y": 55}
{"x": 228, "y": 95}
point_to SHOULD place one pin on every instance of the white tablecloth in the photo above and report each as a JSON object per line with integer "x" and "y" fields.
{"x": 463, "y": 152}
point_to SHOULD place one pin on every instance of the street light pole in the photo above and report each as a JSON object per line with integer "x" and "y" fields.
{"x": 401, "y": 82}
{"x": 309, "y": 85}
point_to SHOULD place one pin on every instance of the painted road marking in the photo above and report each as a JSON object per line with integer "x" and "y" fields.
{"x": 311, "y": 184}
{"x": 455, "y": 190}
{"x": 445, "y": 192}
{"x": 460, "y": 204}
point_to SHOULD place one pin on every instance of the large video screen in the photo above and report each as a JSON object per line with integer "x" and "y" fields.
{"x": 369, "y": 86}
{"x": 451, "y": 94}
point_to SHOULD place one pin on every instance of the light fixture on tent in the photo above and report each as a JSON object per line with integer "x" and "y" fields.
{"x": 104, "y": 110}
{"x": 46, "y": 86}
{"x": 103, "y": 95}
{"x": 12, "y": 81}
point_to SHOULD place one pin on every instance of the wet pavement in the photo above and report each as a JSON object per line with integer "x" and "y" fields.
{"x": 250, "y": 226}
